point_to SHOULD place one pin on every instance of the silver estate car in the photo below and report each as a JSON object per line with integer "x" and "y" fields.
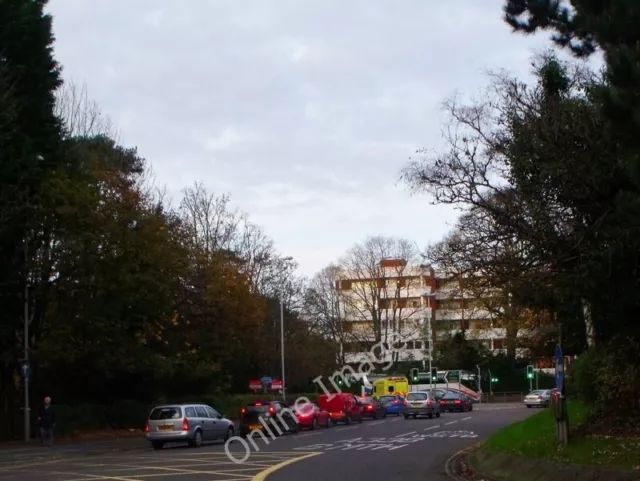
{"x": 190, "y": 423}
{"x": 421, "y": 403}
{"x": 540, "y": 398}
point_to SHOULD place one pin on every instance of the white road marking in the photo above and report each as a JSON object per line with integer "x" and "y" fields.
{"x": 308, "y": 434}
{"x": 452, "y": 422}
{"x": 432, "y": 427}
{"x": 466, "y": 419}
{"x": 377, "y": 422}
{"x": 405, "y": 434}
{"x": 344, "y": 429}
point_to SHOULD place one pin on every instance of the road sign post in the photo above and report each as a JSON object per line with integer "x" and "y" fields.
{"x": 560, "y": 401}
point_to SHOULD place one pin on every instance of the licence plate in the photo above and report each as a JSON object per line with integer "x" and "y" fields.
{"x": 165, "y": 427}
{"x": 416, "y": 405}
{"x": 256, "y": 426}
{"x": 449, "y": 402}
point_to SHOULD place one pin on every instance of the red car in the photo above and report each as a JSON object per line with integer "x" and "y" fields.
{"x": 342, "y": 407}
{"x": 311, "y": 416}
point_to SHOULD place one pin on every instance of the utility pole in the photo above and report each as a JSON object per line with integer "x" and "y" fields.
{"x": 284, "y": 395}
{"x": 25, "y": 366}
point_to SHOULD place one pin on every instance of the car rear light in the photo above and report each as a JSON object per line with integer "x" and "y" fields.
{"x": 395, "y": 401}
{"x": 405, "y": 402}
{"x": 442, "y": 402}
{"x": 243, "y": 410}
{"x": 540, "y": 398}
{"x": 258, "y": 404}
{"x": 146, "y": 427}
{"x": 369, "y": 407}
{"x": 428, "y": 402}
{"x": 457, "y": 401}
{"x": 185, "y": 424}
{"x": 271, "y": 410}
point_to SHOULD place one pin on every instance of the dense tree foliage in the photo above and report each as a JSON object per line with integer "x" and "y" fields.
{"x": 551, "y": 169}
{"x": 128, "y": 298}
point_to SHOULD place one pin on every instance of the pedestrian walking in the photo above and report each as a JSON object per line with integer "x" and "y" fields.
{"x": 46, "y": 421}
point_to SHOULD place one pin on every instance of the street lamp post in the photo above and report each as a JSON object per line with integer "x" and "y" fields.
{"x": 25, "y": 366}
{"x": 284, "y": 393}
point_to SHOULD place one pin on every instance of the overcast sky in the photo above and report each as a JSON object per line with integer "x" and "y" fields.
{"x": 303, "y": 110}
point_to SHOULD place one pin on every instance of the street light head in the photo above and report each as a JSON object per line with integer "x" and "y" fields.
{"x": 287, "y": 259}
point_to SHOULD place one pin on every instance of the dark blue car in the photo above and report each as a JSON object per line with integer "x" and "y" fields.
{"x": 393, "y": 404}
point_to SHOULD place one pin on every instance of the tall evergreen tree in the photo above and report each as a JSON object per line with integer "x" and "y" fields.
{"x": 29, "y": 151}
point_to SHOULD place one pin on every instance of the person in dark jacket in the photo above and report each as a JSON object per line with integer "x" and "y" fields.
{"x": 46, "y": 421}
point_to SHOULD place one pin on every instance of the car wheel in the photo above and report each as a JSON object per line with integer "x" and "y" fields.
{"x": 430, "y": 415}
{"x": 398, "y": 414}
{"x": 415, "y": 416}
{"x": 349, "y": 419}
{"x": 375, "y": 416}
{"x": 157, "y": 444}
{"x": 196, "y": 442}
{"x": 384, "y": 416}
{"x": 360, "y": 418}
{"x": 438, "y": 414}
{"x": 406, "y": 416}
{"x": 229, "y": 434}
{"x": 314, "y": 424}
{"x": 529, "y": 405}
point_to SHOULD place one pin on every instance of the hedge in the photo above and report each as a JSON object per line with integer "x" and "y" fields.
{"x": 132, "y": 414}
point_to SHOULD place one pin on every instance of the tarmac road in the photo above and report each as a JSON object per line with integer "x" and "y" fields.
{"x": 414, "y": 449}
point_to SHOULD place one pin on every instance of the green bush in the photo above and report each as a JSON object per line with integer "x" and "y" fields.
{"x": 83, "y": 417}
{"x": 127, "y": 414}
{"x": 132, "y": 414}
{"x": 607, "y": 377}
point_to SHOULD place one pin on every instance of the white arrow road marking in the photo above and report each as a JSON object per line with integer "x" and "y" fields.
{"x": 398, "y": 447}
{"x": 405, "y": 434}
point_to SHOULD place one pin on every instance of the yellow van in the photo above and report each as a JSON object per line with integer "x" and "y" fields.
{"x": 390, "y": 385}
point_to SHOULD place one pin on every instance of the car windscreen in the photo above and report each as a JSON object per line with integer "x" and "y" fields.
{"x": 304, "y": 408}
{"x": 367, "y": 400}
{"x": 163, "y": 413}
{"x": 417, "y": 396}
{"x": 387, "y": 399}
{"x": 451, "y": 395}
{"x": 253, "y": 413}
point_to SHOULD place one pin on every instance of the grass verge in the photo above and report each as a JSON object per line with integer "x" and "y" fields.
{"x": 535, "y": 438}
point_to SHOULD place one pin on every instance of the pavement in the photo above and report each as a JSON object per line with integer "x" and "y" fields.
{"x": 414, "y": 449}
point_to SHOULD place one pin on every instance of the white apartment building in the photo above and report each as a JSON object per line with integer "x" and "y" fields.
{"x": 396, "y": 297}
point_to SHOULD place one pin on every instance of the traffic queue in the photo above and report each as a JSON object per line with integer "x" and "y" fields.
{"x": 195, "y": 424}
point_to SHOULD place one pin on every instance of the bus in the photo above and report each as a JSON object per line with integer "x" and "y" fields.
{"x": 456, "y": 380}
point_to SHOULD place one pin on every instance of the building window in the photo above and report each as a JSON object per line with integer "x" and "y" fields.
{"x": 409, "y": 345}
{"x": 415, "y": 303}
{"x": 480, "y": 324}
{"x": 464, "y": 324}
{"x": 449, "y": 304}
{"x": 417, "y": 344}
{"x": 498, "y": 343}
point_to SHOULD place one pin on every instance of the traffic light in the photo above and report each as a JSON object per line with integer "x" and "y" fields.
{"x": 414, "y": 374}
{"x": 434, "y": 373}
{"x": 494, "y": 379}
{"x": 530, "y": 373}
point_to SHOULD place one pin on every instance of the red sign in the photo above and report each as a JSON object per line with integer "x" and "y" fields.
{"x": 276, "y": 385}
{"x": 255, "y": 384}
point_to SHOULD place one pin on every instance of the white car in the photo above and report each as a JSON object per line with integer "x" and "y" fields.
{"x": 540, "y": 398}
